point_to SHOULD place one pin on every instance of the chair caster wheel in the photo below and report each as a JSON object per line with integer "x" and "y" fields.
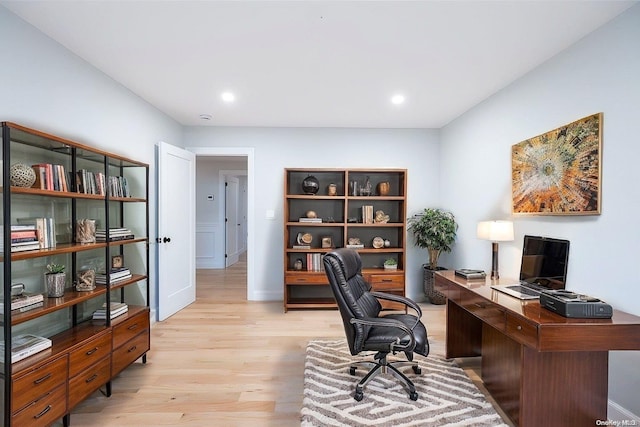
{"x": 413, "y": 396}
{"x": 359, "y": 395}
{"x": 352, "y": 370}
{"x": 417, "y": 370}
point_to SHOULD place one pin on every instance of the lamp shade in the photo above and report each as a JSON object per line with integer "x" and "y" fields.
{"x": 496, "y": 231}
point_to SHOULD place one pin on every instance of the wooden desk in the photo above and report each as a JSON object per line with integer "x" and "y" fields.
{"x": 543, "y": 369}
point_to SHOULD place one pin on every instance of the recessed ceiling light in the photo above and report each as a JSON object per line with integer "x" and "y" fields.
{"x": 228, "y": 97}
{"x": 206, "y": 117}
{"x": 397, "y": 99}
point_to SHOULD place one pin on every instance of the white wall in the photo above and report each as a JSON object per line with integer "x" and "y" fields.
{"x": 280, "y": 148}
{"x": 599, "y": 74}
{"x": 46, "y": 87}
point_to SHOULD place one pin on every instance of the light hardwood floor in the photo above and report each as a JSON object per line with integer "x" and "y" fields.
{"x": 223, "y": 361}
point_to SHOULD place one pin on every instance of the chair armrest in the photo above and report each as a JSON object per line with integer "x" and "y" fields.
{"x": 397, "y": 298}
{"x": 390, "y": 323}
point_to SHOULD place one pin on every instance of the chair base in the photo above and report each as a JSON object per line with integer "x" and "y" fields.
{"x": 381, "y": 365}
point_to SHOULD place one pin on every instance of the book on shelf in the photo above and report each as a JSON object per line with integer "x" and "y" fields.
{"x": 360, "y": 246}
{"x": 114, "y": 234}
{"x": 367, "y": 214}
{"x": 45, "y": 230}
{"x": 301, "y": 247}
{"x": 50, "y": 177}
{"x": 24, "y": 299}
{"x": 31, "y": 247}
{"x": 115, "y": 275}
{"x": 26, "y": 345}
{"x": 314, "y": 262}
{"x": 117, "y": 309}
{"x": 310, "y": 220}
{"x": 25, "y": 308}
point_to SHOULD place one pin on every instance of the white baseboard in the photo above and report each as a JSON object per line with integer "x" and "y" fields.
{"x": 266, "y": 296}
{"x": 617, "y": 413}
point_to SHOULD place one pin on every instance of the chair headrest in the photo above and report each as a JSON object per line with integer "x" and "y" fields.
{"x": 349, "y": 261}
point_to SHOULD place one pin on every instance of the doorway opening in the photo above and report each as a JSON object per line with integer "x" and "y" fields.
{"x": 227, "y": 155}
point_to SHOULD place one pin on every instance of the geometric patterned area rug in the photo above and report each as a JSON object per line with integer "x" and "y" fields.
{"x": 446, "y": 395}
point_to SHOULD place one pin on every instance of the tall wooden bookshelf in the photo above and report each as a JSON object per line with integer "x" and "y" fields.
{"x": 85, "y": 353}
{"x": 339, "y": 206}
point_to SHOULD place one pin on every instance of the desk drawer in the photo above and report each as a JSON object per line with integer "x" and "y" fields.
{"x": 88, "y": 381}
{"x": 89, "y": 353}
{"x": 387, "y": 282}
{"x": 522, "y": 331}
{"x": 451, "y": 291}
{"x": 38, "y": 382}
{"x": 44, "y": 410}
{"x": 484, "y": 310}
{"x": 128, "y": 329}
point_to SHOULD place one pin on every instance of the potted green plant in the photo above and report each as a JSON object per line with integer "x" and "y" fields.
{"x": 55, "y": 280}
{"x": 390, "y": 264}
{"x": 433, "y": 230}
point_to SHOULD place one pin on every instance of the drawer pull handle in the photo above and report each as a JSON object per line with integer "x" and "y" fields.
{"x": 90, "y": 352}
{"x": 91, "y": 378}
{"x": 132, "y": 327}
{"x": 480, "y": 305}
{"x": 43, "y": 379}
{"x": 132, "y": 349}
{"x": 519, "y": 327}
{"x": 387, "y": 280}
{"x": 44, "y": 411}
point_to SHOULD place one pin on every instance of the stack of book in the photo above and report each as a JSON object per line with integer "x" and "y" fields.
{"x": 33, "y": 233}
{"x": 117, "y": 309}
{"x": 115, "y": 275}
{"x": 24, "y": 302}
{"x": 26, "y": 345}
{"x": 114, "y": 234}
{"x": 367, "y": 214}
{"x": 314, "y": 262}
{"x": 50, "y": 177}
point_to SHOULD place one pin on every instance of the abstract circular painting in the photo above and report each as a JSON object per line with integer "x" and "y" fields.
{"x": 558, "y": 172}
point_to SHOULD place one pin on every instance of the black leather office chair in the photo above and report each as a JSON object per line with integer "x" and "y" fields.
{"x": 366, "y": 329}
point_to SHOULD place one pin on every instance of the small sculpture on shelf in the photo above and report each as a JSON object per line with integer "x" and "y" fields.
{"x": 381, "y": 217}
{"x": 310, "y": 185}
{"x": 22, "y": 175}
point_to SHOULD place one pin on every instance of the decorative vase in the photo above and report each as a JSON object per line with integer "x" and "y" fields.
{"x": 310, "y": 185}
{"x": 86, "y": 231}
{"x": 22, "y": 175}
{"x": 383, "y": 188}
{"x": 55, "y": 283}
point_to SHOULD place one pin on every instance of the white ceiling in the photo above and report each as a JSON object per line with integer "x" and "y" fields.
{"x": 316, "y": 63}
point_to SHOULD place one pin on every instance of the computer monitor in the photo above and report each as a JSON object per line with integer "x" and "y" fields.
{"x": 545, "y": 261}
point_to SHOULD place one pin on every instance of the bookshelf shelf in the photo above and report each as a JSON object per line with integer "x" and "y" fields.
{"x": 112, "y": 191}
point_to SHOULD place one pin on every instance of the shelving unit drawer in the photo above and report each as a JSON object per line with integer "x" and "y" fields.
{"x": 382, "y": 282}
{"x": 126, "y": 330}
{"x": 89, "y": 353}
{"x": 85, "y": 383}
{"x": 522, "y": 331}
{"x": 128, "y": 353}
{"x": 44, "y": 410}
{"x": 38, "y": 382}
{"x": 306, "y": 279}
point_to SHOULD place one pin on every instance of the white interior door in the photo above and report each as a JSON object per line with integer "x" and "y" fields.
{"x": 176, "y": 229}
{"x": 232, "y": 221}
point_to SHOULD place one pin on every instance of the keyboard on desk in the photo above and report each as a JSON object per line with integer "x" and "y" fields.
{"x": 524, "y": 290}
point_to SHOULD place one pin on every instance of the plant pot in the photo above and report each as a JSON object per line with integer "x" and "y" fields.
{"x": 55, "y": 284}
{"x": 390, "y": 267}
{"x": 434, "y": 296}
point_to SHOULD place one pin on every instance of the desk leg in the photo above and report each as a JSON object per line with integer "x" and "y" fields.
{"x": 545, "y": 388}
{"x": 464, "y": 332}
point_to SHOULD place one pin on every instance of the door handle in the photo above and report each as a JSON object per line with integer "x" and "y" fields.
{"x": 163, "y": 239}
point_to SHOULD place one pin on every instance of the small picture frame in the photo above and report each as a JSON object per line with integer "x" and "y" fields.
{"x": 117, "y": 261}
{"x": 327, "y": 243}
